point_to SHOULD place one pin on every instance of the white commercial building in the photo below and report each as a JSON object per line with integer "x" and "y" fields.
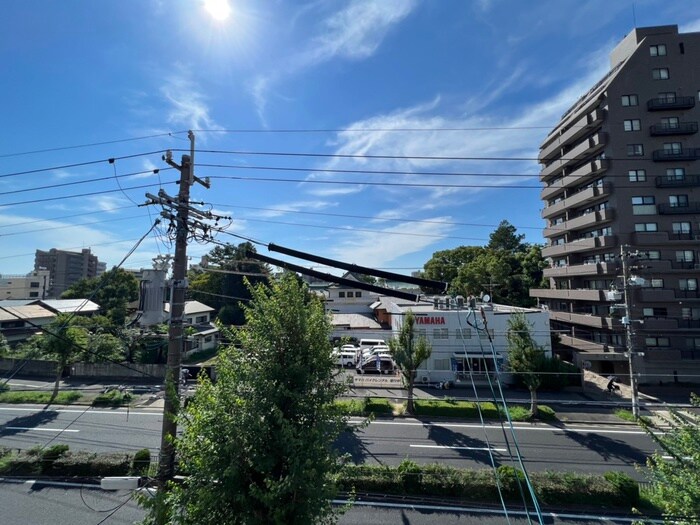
{"x": 458, "y": 335}
{"x": 33, "y": 285}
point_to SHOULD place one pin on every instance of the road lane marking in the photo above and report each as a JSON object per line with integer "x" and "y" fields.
{"x": 580, "y": 430}
{"x": 486, "y": 449}
{"x": 154, "y": 412}
{"x": 39, "y": 429}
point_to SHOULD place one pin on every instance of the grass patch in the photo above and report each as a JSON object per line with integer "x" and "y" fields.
{"x": 202, "y": 357}
{"x": 350, "y": 407}
{"x": 627, "y": 415}
{"x": 113, "y": 398}
{"x": 63, "y": 398}
{"x": 366, "y": 406}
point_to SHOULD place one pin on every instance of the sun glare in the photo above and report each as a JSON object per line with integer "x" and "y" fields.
{"x": 218, "y": 9}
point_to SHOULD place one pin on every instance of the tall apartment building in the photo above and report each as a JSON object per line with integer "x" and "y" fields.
{"x": 621, "y": 168}
{"x": 65, "y": 268}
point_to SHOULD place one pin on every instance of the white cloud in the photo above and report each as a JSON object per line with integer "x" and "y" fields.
{"x": 357, "y": 31}
{"x": 147, "y": 166}
{"x": 258, "y": 90}
{"x": 375, "y": 249}
{"x": 280, "y": 210}
{"x": 188, "y": 105}
{"x": 107, "y": 203}
{"x": 692, "y": 26}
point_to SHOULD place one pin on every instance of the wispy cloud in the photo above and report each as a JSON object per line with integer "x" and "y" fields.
{"x": 286, "y": 208}
{"x": 188, "y": 106}
{"x": 353, "y": 33}
{"x": 692, "y": 26}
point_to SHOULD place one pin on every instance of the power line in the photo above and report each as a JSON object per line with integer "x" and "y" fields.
{"x": 378, "y": 130}
{"x": 62, "y": 197}
{"x": 78, "y": 164}
{"x": 53, "y": 219}
{"x": 89, "y": 145}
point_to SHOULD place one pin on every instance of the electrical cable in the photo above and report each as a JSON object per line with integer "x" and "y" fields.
{"x": 379, "y": 130}
{"x": 78, "y": 164}
{"x": 76, "y": 195}
{"x": 92, "y": 508}
{"x": 67, "y": 226}
{"x": 116, "y": 509}
{"x": 89, "y": 145}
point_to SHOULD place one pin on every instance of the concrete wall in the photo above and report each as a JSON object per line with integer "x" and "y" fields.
{"x": 31, "y": 367}
{"x": 113, "y": 371}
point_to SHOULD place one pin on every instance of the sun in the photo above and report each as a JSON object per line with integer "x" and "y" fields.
{"x": 219, "y": 10}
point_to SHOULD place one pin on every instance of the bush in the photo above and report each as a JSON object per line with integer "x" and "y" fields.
{"x": 350, "y": 407}
{"x": 457, "y": 409}
{"x": 141, "y": 462}
{"x": 48, "y": 456}
{"x": 376, "y": 405}
{"x": 63, "y": 398}
{"x": 627, "y": 488}
{"x": 113, "y": 398}
{"x": 92, "y": 464}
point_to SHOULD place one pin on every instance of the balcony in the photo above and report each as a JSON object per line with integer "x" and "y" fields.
{"x": 659, "y": 324}
{"x": 586, "y": 147}
{"x": 669, "y": 155}
{"x": 655, "y": 295}
{"x": 671, "y": 209}
{"x": 591, "y": 348}
{"x": 687, "y": 294}
{"x": 591, "y": 320}
{"x": 674, "y": 181}
{"x": 577, "y": 199}
{"x": 583, "y": 221}
{"x": 682, "y": 128}
{"x": 689, "y": 324}
{"x": 577, "y": 176}
{"x": 576, "y": 270}
{"x": 576, "y": 130}
{"x": 665, "y": 104}
{"x": 582, "y": 294}
{"x": 551, "y": 169}
{"x": 579, "y": 245}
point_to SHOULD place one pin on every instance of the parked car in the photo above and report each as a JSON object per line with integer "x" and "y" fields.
{"x": 374, "y": 350}
{"x": 376, "y": 364}
{"x": 345, "y": 358}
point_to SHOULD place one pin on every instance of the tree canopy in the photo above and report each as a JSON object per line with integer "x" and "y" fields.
{"x": 113, "y": 291}
{"x": 525, "y": 357}
{"x": 409, "y": 352}
{"x": 258, "y": 445}
{"x": 226, "y": 292}
{"x": 506, "y": 268}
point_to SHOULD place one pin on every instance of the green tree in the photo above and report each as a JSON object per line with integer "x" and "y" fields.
{"x": 409, "y": 352}
{"x": 229, "y": 290}
{"x": 113, "y": 291}
{"x": 258, "y": 445}
{"x": 525, "y": 356}
{"x": 505, "y": 238}
{"x": 64, "y": 343}
{"x": 676, "y": 481}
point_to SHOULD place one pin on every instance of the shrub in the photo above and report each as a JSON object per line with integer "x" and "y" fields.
{"x": 411, "y": 475}
{"x": 452, "y": 408}
{"x": 63, "y": 398}
{"x": 350, "y": 407}
{"x": 113, "y": 398}
{"x": 376, "y": 405}
{"x": 141, "y": 462}
{"x": 92, "y": 464}
{"x": 48, "y": 456}
{"x": 626, "y": 487}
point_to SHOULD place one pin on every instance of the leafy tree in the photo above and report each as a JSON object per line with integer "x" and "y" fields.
{"x": 258, "y": 445}
{"x": 525, "y": 356}
{"x": 115, "y": 289}
{"x": 227, "y": 290}
{"x": 676, "y": 481}
{"x": 63, "y": 342}
{"x": 444, "y": 265}
{"x": 409, "y": 352}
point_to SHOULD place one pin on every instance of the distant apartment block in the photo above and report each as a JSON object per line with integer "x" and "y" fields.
{"x": 622, "y": 168}
{"x": 34, "y": 285}
{"x": 66, "y": 268}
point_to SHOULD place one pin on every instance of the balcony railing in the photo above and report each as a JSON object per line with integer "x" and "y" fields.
{"x": 661, "y": 155}
{"x": 670, "y": 209}
{"x": 687, "y": 294}
{"x": 689, "y": 323}
{"x": 666, "y": 181}
{"x": 662, "y": 104}
{"x": 682, "y": 128}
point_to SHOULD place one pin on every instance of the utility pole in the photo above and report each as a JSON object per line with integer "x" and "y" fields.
{"x": 177, "y": 210}
{"x": 629, "y": 331}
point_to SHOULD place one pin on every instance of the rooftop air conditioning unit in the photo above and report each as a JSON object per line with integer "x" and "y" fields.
{"x": 460, "y": 301}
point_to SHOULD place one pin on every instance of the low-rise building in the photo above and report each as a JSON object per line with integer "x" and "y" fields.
{"x": 33, "y": 285}
{"x": 203, "y": 333}
{"x": 18, "y": 322}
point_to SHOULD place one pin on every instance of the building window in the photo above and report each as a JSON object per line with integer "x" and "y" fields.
{"x": 690, "y": 284}
{"x": 646, "y": 227}
{"x": 440, "y": 333}
{"x": 34, "y": 284}
{"x": 693, "y": 343}
{"x": 680, "y": 227}
{"x": 33, "y": 294}
{"x": 484, "y": 335}
{"x": 658, "y": 50}
{"x": 655, "y": 312}
{"x": 341, "y": 294}
{"x": 657, "y": 341}
{"x": 201, "y": 319}
{"x": 632, "y": 124}
{"x": 690, "y": 313}
{"x": 675, "y": 174}
{"x": 637, "y": 175}
{"x": 673, "y": 147}
{"x": 358, "y": 294}
{"x": 685, "y": 256}
{"x": 441, "y": 364}
{"x": 645, "y": 199}
{"x": 667, "y": 96}
{"x": 630, "y": 100}
{"x": 653, "y": 255}
{"x": 643, "y": 205}
{"x": 464, "y": 333}
{"x": 660, "y": 73}
{"x": 635, "y": 150}
{"x": 678, "y": 201}
{"x": 670, "y": 123}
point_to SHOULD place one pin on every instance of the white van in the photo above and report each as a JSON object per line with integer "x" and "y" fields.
{"x": 365, "y": 344}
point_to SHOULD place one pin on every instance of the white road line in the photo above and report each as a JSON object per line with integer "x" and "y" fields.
{"x": 12, "y": 383}
{"x": 39, "y": 429}
{"x": 519, "y": 428}
{"x": 459, "y": 448}
{"x": 153, "y": 412}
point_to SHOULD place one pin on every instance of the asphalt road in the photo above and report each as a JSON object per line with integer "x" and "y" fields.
{"x": 580, "y": 448}
{"x": 36, "y": 504}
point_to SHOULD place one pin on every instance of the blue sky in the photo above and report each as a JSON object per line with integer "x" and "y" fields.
{"x": 501, "y": 71}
